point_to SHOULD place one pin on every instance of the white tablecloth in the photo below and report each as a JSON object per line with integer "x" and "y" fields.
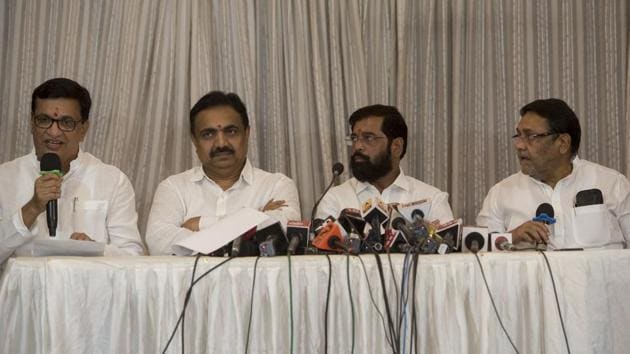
{"x": 130, "y": 305}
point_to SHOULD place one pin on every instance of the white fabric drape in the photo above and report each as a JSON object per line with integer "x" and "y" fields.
{"x": 458, "y": 71}
{"x": 130, "y": 305}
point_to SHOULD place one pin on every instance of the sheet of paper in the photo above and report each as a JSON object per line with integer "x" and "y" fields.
{"x": 43, "y": 247}
{"x": 225, "y": 230}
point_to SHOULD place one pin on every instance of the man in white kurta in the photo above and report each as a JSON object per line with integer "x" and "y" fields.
{"x": 226, "y": 181}
{"x": 547, "y": 140}
{"x": 379, "y": 142}
{"x": 96, "y": 202}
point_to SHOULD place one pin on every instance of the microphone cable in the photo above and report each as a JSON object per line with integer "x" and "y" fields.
{"x": 404, "y": 297}
{"x": 327, "y": 302}
{"x": 350, "y": 296}
{"x": 290, "y": 303}
{"x": 251, "y": 305}
{"x": 391, "y": 270}
{"x": 483, "y": 274}
{"x": 555, "y": 293}
{"x": 414, "y": 325}
{"x": 390, "y": 322}
{"x": 380, "y": 314}
{"x": 187, "y": 298}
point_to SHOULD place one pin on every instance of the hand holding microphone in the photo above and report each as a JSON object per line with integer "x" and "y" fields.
{"x": 536, "y": 230}
{"x": 46, "y": 191}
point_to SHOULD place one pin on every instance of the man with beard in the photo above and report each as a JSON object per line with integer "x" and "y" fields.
{"x": 226, "y": 181}
{"x": 591, "y": 203}
{"x": 379, "y": 142}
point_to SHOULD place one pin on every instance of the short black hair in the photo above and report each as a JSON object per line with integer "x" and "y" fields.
{"x": 393, "y": 125}
{"x": 560, "y": 117}
{"x": 64, "y": 88}
{"x": 216, "y": 99}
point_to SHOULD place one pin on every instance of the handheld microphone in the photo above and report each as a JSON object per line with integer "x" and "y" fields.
{"x": 50, "y": 163}
{"x": 337, "y": 169}
{"x": 544, "y": 214}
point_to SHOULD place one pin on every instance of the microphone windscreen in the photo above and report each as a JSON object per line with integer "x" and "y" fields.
{"x": 50, "y": 162}
{"x": 337, "y": 168}
{"x": 474, "y": 241}
{"x": 545, "y": 208}
{"x": 399, "y": 223}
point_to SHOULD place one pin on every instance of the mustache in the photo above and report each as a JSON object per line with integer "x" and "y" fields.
{"x": 221, "y": 149}
{"x": 358, "y": 154}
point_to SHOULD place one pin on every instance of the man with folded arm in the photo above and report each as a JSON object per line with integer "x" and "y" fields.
{"x": 225, "y": 182}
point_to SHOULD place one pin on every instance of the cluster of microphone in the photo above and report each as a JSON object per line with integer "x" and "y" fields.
{"x": 384, "y": 228}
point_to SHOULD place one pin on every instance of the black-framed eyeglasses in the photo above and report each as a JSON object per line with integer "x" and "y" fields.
{"x": 368, "y": 139}
{"x": 65, "y": 124}
{"x": 529, "y": 138}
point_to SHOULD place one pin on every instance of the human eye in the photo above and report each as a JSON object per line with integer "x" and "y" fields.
{"x": 43, "y": 120}
{"x": 208, "y": 134}
{"x": 369, "y": 138}
{"x": 231, "y": 131}
{"x": 67, "y": 123}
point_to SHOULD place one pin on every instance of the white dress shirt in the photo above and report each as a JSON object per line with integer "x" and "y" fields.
{"x": 514, "y": 201}
{"x": 405, "y": 189}
{"x": 191, "y": 194}
{"x": 96, "y": 199}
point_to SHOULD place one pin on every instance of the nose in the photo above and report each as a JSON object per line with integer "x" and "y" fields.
{"x": 220, "y": 139}
{"x": 54, "y": 129}
{"x": 359, "y": 145}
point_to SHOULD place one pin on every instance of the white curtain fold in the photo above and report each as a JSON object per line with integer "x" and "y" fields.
{"x": 458, "y": 71}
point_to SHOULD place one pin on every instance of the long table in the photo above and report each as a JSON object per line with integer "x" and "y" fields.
{"x": 131, "y": 305}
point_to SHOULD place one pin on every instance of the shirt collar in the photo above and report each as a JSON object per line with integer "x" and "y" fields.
{"x": 576, "y": 162}
{"x": 74, "y": 164}
{"x": 401, "y": 182}
{"x": 247, "y": 174}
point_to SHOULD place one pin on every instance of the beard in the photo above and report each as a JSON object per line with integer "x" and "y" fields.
{"x": 367, "y": 171}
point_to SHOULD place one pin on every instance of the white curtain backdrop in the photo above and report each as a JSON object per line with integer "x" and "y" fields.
{"x": 458, "y": 70}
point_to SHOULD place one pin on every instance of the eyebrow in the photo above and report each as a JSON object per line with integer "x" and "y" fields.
{"x": 60, "y": 118}
{"x": 213, "y": 129}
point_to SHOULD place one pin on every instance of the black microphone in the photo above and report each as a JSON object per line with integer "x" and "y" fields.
{"x": 50, "y": 163}
{"x": 243, "y": 247}
{"x": 475, "y": 242}
{"x": 271, "y": 240}
{"x": 544, "y": 214}
{"x": 336, "y": 170}
{"x": 297, "y": 232}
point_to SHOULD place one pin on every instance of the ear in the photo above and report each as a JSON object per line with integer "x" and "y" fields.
{"x": 397, "y": 147}
{"x": 84, "y": 128}
{"x": 565, "y": 143}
